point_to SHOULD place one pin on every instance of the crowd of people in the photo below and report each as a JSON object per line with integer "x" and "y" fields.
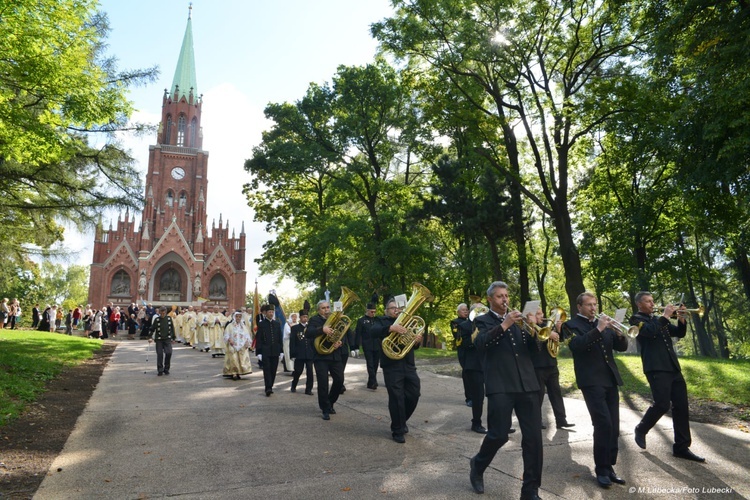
{"x": 505, "y": 360}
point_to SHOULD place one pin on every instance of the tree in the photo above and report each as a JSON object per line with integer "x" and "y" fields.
{"x": 59, "y": 98}
{"x": 547, "y": 82}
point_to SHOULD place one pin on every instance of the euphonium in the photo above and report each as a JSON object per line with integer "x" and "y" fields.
{"x": 396, "y": 345}
{"x": 555, "y": 315}
{"x": 338, "y": 321}
{"x": 477, "y": 308}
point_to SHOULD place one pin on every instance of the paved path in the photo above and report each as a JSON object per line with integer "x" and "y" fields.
{"x": 196, "y": 435}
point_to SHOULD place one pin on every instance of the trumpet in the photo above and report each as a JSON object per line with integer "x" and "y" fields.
{"x": 698, "y": 310}
{"x": 630, "y": 331}
{"x": 540, "y": 332}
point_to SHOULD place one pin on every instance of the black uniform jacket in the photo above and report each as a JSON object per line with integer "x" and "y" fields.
{"x": 158, "y": 334}
{"x": 300, "y": 346}
{"x": 458, "y": 329}
{"x": 505, "y": 355}
{"x": 380, "y": 331}
{"x": 363, "y": 335}
{"x": 269, "y": 337}
{"x": 592, "y": 353}
{"x": 315, "y": 329}
{"x": 472, "y": 358}
{"x": 655, "y": 342}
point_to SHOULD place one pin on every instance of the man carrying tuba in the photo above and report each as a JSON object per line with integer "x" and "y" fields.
{"x": 400, "y": 375}
{"x": 325, "y": 364}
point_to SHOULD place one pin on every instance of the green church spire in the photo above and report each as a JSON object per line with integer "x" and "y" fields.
{"x": 184, "y": 75}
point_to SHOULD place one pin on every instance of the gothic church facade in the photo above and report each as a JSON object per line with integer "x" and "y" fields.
{"x": 173, "y": 258}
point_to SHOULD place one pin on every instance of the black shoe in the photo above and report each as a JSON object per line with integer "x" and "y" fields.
{"x": 615, "y": 478}
{"x": 268, "y": 392}
{"x": 604, "y": 481}
{"x": 332, "y": 411}
{"x": 160, "y": 374}
{"x": 326, "y": 416}
{"x": 640, "y": 438}
{"x": 478, "y": 428}
{"x": 309, "y": 393}
{"x": 533, "y": 496}
{"x": 511, "y": 430}
{"x": 399, "y": 438}
{"x": 469, "y": 403}
{"x": 166, "y": 372}
{"x": 564, "y": 425}
{"x": 293, "y": 389}
{"x": 689, "y": 455}
{"x": 343, "y": 390}
{"x": 406, "y": 429}
{"x": 476, "y": 479}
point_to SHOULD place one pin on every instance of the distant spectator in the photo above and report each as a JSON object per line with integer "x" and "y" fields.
{"x": 35, "y": 316}
{"x": 68, "y": 323}
{"x": 77, "y": 316}
{"x": 4, "y": 312}
{"x": 46, "y": 321}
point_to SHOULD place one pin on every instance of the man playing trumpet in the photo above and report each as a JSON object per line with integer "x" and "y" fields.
{"x": 598, "y": 378}
{"x": 663, "y": 372}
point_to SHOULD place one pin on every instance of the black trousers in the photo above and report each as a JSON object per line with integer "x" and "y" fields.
{"x": 299, "y": 364}
{"x": 404, "y": 386}
{"x": 323, "y": 367}
{"x": 163, "y": 355}
{"x": 372, "y": 358}
{"x": 604, "y": 407}
{"x": 500, "y": 406}
{"x": 549, "y": 379}
{"x": 475, "y": 380}
{"x": 669, "y": 388}
{"x": 270, "y": 365}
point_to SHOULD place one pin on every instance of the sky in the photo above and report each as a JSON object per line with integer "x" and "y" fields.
{"x": 248, "y": 53}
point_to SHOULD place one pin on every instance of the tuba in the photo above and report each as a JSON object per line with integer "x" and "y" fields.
{"x": 397, "y": 346}
{"x": 477, "y": 307}
{"x": 555, "y": 315}
{"x": 337, "y": 320}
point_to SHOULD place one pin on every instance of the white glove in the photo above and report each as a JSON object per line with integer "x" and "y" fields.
{"x": 281, "y": 356}
{"x": 260, "y": 357}
{"x": 354, "y": 353}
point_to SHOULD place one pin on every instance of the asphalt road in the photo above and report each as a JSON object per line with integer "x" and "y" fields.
{"x": 196, "y": 435}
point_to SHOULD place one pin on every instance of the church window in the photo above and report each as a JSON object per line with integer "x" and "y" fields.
{"x": 217, "y": 289}
{"x": 193, "y": 133}
{"x": 183, "y": 200}
{"x": 168, "y": 131}
{"x": 120, "y": 284}
{"x": 170, "y": 198}
{"x": 181, "y": 130}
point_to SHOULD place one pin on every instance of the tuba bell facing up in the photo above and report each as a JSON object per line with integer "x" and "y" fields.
{"x": 555, "y": 315}
{"x": 338, "y": 321}
{"x": 396, "y": 345}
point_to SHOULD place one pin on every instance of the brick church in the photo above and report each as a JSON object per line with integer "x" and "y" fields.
{"x": 172, "y": 258}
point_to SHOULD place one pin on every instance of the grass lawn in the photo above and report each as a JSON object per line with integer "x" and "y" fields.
{"x": 433, "y": 353}
{"x": 29, "y": 359}
{"x": 719, "y": 380}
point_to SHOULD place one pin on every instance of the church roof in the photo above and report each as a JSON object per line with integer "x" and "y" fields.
{"x": 184, "y": 75}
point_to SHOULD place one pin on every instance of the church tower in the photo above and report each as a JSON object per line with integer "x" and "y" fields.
{"x": 172, "y": 259}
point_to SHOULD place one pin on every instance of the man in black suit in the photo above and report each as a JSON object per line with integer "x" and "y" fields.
{"x": 510, "y": 384}
{"x": 457, "y": 329}
{"x": 370, "y": 344}
{"x": 302, "y": 352}
{"x": 663, "y": 372}
{"x": 326, "y": 364}
{"x": 472, "y": 373}
{"x": 400, "y": 375}
{"x": 270, "y": 343}
{"x": 548, "y": 373}
{"x": 598, "y": 378}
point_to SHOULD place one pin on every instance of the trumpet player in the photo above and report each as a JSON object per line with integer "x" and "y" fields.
{"x": 663, "y": 372}
{"x": 598, "y": 378}
{"x": 326, "y": 364}
{"x": 459, "y": 327}
{"x": 400, "y": 375}
{"x": 510, "y": 384}
{"x": 547, "y": 372}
